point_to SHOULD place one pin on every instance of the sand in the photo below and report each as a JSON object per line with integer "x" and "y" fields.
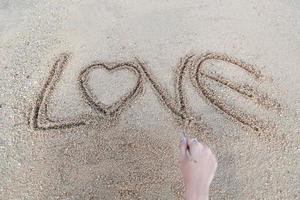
{"x": 95, "y": 96}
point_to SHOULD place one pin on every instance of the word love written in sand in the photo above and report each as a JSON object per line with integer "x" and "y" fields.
{"x": 191, "y": 65}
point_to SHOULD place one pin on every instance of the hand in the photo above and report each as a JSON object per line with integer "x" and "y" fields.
{"x": 198, "y": 165}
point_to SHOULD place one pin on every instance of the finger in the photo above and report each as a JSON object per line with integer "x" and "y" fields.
{"x": 194, "y": 145}
{"x": 193, "y": 142}
{"x": 183, "y": 148}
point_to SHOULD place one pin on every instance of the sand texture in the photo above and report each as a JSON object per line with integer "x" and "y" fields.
{"x": 95, "y": 96}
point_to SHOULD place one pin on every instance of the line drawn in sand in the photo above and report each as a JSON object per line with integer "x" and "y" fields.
{"x": 190, "y": 64}
{"x": 198, "y": 78}
{"x": 109, "y": 110}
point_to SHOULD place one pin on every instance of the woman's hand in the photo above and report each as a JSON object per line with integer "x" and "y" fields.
{"x": 198, "y": 165}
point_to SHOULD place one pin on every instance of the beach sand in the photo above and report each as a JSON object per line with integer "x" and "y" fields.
{"x": 95, "y": 96}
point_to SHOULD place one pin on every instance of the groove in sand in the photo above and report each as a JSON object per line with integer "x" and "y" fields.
{"x": 115, "y": 108}
{"x": 190, "y": 63}
{"x": 198, "y": 78}
{"x": 40, "y": 110}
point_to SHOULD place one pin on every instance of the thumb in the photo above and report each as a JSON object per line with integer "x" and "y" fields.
{"x": 183, "y": 148}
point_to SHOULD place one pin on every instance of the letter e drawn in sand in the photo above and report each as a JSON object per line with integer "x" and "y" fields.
{"x": 199, "y": 78}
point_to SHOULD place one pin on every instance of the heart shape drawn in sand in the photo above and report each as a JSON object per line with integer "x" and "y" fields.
{"x": 114, "y": 108}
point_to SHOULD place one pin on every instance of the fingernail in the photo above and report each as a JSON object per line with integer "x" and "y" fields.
{"x": 195, "y": 141}
{"x": 183, "y": 140}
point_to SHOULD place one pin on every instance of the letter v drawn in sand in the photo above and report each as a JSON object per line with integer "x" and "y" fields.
{"x": 199, "y": 77}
